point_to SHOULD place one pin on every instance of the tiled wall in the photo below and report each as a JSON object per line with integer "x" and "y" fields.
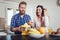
{"x": 2, "y": 23}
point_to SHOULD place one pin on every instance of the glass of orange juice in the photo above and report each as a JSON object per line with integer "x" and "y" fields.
{"x": 50, "y": 30}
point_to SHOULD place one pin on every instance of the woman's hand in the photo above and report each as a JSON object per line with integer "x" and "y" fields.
{"x": 31, "y": 23}
{"x": 38, "y": 28}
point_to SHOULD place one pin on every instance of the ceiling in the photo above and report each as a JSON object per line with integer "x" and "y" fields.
{"x": 13, "y": 0}
{"x": 18, "y": 1}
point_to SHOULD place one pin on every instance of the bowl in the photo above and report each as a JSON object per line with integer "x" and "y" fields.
{"x": 36, "y": 35}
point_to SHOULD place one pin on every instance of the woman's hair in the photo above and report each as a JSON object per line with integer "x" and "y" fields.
{"x": 42, "y": 14}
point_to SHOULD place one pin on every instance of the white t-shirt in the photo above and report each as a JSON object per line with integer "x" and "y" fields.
{"x": 38, "y": 23}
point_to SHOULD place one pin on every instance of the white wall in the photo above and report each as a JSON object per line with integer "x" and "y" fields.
{"x": 3, "y": 6}
{"x": 2, "y": 10}
{"x": 6, "y": 4}
{"x": 53, "y": 10}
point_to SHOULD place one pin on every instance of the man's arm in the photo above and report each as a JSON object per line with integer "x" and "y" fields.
{"x": 13, "y": 27}
{"x": 16, "y": 29}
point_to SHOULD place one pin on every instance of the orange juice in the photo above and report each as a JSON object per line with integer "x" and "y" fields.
{"x": 42, "y": 30}
{"x": 50, "y": 30}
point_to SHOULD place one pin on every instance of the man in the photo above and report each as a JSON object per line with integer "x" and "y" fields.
{"x": 19, "y": 19}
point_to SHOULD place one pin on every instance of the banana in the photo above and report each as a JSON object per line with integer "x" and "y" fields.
{"x": 34, "y": 31}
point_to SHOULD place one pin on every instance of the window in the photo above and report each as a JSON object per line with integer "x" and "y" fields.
{"x": 9, "y": 15}
{"x": 17, "y": 11}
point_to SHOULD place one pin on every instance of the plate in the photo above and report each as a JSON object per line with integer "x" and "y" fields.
{"x": 56, "y": 35}
{"x": 36, "y": 35}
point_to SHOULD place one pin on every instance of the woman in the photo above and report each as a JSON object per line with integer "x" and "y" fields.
{"x": 40, "y": 19}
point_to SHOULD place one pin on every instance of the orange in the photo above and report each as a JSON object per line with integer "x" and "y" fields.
{"x": 24, "y": 32}
{"x": 42, "y": 30}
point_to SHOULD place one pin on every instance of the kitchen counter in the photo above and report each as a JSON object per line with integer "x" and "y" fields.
{"x": 20, "y": 37}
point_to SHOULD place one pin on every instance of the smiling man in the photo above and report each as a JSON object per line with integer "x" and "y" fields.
{"x": 19, "y": 19}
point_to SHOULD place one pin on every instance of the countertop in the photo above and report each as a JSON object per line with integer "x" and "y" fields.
{"x": 20, "y": 37}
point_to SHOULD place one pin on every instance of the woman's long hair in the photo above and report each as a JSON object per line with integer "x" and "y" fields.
{"x": 42, "y": 14}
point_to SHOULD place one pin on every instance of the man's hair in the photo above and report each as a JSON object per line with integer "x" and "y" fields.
{"x": 22, "y": 3}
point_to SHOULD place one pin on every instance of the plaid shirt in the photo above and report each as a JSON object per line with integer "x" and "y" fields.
{"x": 17, "y": 21}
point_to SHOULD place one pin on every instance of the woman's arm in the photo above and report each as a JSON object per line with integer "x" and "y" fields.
{"x": 47, "y": 20}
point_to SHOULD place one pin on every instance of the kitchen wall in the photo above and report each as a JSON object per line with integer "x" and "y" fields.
{"x": 51, "y": 5}
{"x": 3, "y": 10}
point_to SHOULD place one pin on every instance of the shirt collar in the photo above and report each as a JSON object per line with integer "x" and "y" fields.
{"x": 24, "y": 14}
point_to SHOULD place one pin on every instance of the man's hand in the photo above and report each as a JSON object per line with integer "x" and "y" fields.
{"x": 16, "y": 29}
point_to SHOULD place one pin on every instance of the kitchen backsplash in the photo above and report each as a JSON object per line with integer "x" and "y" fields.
{"x": 2, "y": 23}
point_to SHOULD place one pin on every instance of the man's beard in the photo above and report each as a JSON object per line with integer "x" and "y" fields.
{"x": 22, "y": 13}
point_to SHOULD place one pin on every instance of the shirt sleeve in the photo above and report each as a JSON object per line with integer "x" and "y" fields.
{"x": 46, "y": 21}
{"x": 29, "y": 18}
{"x": 13, "y": 23}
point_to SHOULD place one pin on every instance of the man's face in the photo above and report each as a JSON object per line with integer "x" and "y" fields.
{"x": 22, "y": 9}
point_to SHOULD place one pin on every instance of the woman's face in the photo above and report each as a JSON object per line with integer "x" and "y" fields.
{"x": 39, "y": 10}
